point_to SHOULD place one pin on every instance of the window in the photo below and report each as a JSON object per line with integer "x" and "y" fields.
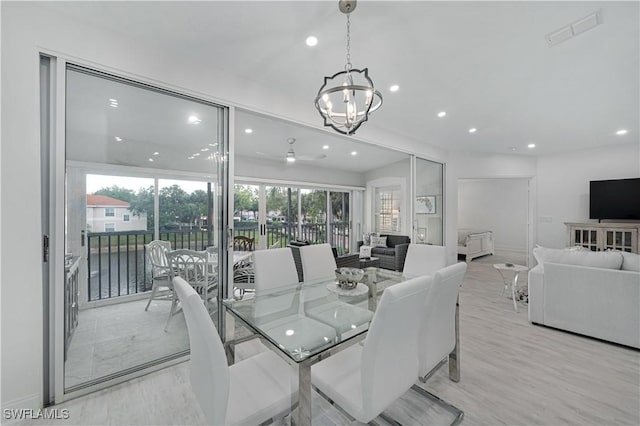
{"x": 109, "y": 227}
{"x": 125, "y": 218}
{"x": 109, "y": 212}
{"x": 387, "y": 210}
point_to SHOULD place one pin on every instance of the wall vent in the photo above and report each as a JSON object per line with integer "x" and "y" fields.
{"x": 573, "y": 29}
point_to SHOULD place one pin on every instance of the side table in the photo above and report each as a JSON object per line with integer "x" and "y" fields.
{"x": 371, "y": 262}
{"x": 516, "y": 269}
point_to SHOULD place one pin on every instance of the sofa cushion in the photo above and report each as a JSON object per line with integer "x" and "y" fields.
{"x": 394, "y": 240}
{"x": 630, "y": 261}
{"x": 606, "y": 260}
{"x": 378, "y": 241}
{"x": 386, "y": 251}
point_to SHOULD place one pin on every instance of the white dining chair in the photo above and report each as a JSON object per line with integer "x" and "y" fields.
{"x": 365, "y": 380}
{"x": 249, "y": 392}
{"x": 162, "y": 288}
{"x": 424, "y": 259}
{"x": 317, "y": 262}
{"x": 438, "y": 329}
{"x": 280, "y": 314}
{"x": 274, "y": 268}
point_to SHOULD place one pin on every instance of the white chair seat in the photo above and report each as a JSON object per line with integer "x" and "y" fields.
{"x": 343, "y": 317}
{"x": 297, "y": 332}
{"x": 340, "y": 379}
{"x": 260, "y": 381}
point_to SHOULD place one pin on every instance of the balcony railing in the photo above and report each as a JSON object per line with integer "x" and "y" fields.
{"x": 117, "y": 260}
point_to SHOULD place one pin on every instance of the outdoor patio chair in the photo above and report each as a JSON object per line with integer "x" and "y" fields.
{"x": 160, "y": 277}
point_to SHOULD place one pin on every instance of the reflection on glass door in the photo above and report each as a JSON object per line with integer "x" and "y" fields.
{"x": 429, "y": 202}
{"x": 313, "y": 223}
{"x": 281, "y": 222}
{"x": 128, "y": 182}
{"x": 339, "y": 221}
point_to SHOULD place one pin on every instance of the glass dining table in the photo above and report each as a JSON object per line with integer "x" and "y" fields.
{"x": 309, "y": 321}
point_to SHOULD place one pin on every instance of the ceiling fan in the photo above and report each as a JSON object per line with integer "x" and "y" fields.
{"x": 291, "y": 156}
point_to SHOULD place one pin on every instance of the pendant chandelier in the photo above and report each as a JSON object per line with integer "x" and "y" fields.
{"x": 346, "y": 99}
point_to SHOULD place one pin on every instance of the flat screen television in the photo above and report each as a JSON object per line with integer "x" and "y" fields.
{"x": 614, "y": 199}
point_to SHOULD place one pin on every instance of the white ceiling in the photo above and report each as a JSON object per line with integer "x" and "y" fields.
{"x": 486, "y": 63}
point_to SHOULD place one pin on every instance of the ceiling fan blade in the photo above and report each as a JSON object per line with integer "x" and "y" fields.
{"x": 310, "y": 157}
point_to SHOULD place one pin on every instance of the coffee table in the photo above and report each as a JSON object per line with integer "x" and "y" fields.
{"x": 372, "y": 262}
{"x": 516, "y": 269}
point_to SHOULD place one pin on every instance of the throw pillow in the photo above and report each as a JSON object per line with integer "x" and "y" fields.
{"x": 365, "y": 252}
{"x": 366, "y": 239}
{"x": 630, "y": 261}
{"x": 378, "y": 241}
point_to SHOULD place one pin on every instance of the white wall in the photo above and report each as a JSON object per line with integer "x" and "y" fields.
{"x": 26, "y": 29}
{"x": 563, "y": 185}
{"x": 499, "y": 205}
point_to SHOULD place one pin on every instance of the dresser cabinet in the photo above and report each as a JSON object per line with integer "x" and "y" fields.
{"x": 604, "y": 236}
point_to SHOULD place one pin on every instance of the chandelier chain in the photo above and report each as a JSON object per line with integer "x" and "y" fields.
{"x": 348, "y": 65}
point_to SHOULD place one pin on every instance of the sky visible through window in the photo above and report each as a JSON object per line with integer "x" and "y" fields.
{"x": 96, "y": 182}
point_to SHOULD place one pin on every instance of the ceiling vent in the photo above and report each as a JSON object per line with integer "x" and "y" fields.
{"x": 575, "y": 28}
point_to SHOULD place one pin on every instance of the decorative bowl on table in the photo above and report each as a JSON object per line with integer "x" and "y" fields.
{"x": 348, "y": 278}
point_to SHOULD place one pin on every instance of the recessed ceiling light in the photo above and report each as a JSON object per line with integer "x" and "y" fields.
{"x": 513, "y": 148}
{"x": 213, "y": 144}
{"x": 151, "y": 160}
{"x": 118, "y": 139}
{"x": 204, "y": 149}
{"x": 621, "y": 132}
{"x": 311, "y": 41}
{"x": 394, "y": 88}
{"x": 190, "y": 158}
{"x": 156, "y": 153}
{"x": 325, "y": 146}
{"x": 442, "y": 114}
{"x": 473, "y": 130}
{"x": 196, "y": 154}
{"x": 531, "y": 145}
{"x": 113, "y": 103}
{"x": 194, "y": 119}
{"x": 248, "y": 131}
{"x": 354, "y": 152}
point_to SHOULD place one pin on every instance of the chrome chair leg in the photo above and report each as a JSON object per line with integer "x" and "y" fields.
{"x": 459, "y": 414}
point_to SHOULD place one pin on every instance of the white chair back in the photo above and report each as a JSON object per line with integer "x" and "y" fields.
{"x": 438, "y": 333}
{"x": 157, "y": 254}
{"x": 193, "y": 267}
{"x": 424, "y": 259}
{"x": 390, "y": 353}
{"x": 317, "y": 262}
{"x": 274, "y": 268}
{"x": 209, "y": 371}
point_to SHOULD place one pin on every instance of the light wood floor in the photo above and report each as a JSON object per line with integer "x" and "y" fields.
{"x": 513, "y": 373}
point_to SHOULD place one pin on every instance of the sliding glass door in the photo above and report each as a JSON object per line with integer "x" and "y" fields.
{"x": 142, "y": 164}
{"x": 274, "y": 215}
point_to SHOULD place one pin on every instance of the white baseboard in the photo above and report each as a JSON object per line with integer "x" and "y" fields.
{"x": 32, "y": 402}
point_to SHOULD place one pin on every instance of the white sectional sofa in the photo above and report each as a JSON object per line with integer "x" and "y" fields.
{"x": 592, "y": 293}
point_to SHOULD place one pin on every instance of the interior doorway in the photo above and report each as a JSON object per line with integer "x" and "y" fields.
{"x": 502, "y": 206}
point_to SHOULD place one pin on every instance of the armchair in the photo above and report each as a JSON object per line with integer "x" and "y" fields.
{"x": 393, "y": 255}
